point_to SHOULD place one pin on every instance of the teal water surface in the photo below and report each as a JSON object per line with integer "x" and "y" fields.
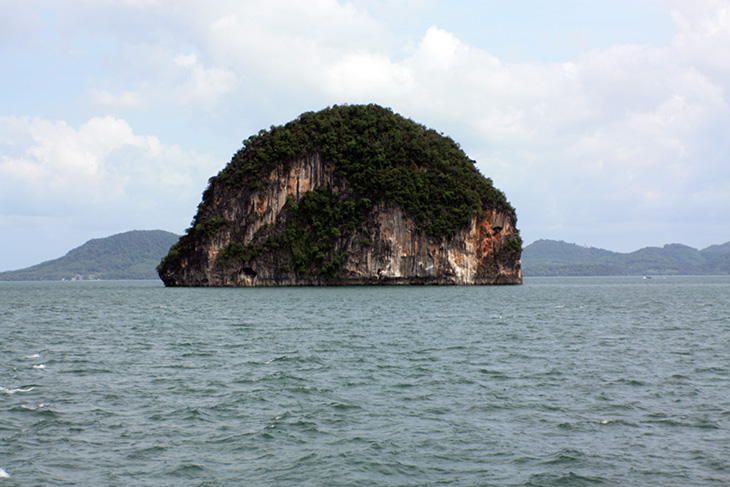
{"x": 561, "y": 381}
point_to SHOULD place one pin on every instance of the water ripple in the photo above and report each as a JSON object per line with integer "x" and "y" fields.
{"x": 557, "y": 382}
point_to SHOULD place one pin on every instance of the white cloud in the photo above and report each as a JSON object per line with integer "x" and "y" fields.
{"x": 171, "y": 81}
{"x": 703, "y": 36}
{"x": 365, "y": 76}
{"x": 53, "y": 169}
{"x": 200, "y": 85}
{"x": 185, "y": 61}
{"x": 439, "y": 49}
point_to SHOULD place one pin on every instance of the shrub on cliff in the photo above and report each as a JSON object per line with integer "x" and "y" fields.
{"x": 381, "y": 155}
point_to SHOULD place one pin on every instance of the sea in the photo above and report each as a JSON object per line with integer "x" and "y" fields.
{"x": 615, "y": 381}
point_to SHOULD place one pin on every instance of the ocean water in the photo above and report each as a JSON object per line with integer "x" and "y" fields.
{"x": 561, "y": 381}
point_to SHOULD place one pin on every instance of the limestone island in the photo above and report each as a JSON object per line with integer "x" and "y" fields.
{"x": 350, "y": 195}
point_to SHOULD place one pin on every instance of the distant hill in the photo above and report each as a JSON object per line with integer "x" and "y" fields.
{"x": 557, "y": 258}
{"x": 718, "y": 249}
{"x": 130, "y": 255}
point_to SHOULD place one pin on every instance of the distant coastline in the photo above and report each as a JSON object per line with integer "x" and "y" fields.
{"x": 558, "y": 258}
{"x": 129, "y": 255}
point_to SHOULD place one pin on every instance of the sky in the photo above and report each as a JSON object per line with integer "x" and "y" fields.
{"x": 605, "y": 122}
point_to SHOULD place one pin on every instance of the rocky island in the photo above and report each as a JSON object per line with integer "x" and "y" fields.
{"x": 350, "y": 195}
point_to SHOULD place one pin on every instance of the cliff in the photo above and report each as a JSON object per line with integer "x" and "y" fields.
{"x": 348, "y": 196}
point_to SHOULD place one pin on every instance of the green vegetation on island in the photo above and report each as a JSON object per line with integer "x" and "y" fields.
{"x": 129, "y": 255}
{"x": 557, "y": 258}
{"x": 381, "y": 156}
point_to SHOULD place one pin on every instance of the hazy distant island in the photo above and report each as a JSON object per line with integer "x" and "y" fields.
{"x": 129, "y": 255}
{"x": 350, "y": 195}
{"x": 558, "y": 258}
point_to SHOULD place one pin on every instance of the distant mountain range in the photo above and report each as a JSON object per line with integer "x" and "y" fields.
{"x": 136, "y": 254}
{"x": 130, "y": 255}
{"x": 557, "y": 258}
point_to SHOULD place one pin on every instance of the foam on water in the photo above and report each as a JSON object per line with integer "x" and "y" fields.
{"x": 13, "y": 391}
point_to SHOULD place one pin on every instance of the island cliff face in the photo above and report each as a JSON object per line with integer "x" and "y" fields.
{"x": 302, "y": 221}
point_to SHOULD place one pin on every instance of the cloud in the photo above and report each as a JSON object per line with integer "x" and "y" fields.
{"x": 439, "y": 49}
{"x": 289, "y": 43}
{"x": 101, "y": 168}
{"x": 200, "y": 85}
{"x": 174, "y": 81}
{"x": 361, "y": 77}
{"x": 703, "y": 34}
{"x": 61, "y": 185}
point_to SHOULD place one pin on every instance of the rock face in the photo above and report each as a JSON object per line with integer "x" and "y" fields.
{"x": 302, "y": 222}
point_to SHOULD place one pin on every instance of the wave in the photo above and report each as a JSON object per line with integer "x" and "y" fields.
{"x": 548, "y": 397}
{"x": 38, "y": 409}
{"x": 5, "y": 390}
